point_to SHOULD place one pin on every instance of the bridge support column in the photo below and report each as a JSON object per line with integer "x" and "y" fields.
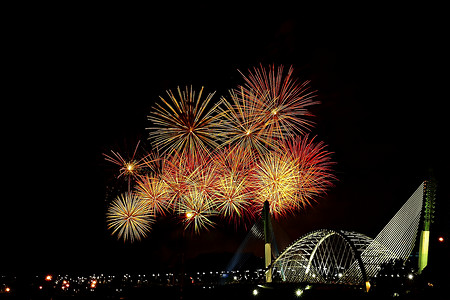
{"x": 428, "y": 215}
{"x": 268, "y": 260}
{"x": 267, "y": 240}
{"x": 423, "y": 249}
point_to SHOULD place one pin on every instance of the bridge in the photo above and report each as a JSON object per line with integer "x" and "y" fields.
{"x": 347, "y": 257}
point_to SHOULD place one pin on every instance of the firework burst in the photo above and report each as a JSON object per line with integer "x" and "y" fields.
{"x": 314, "y": 166}
{"x": 276, "y": 181}
{"x": 196, "y": 210}
{"x": 286, "y": 101}
{"x": 184, "y": 122}
{"x": 129, "y": 218}
{"x": 154, "y": 193}
{"x": 244, "y": 120}
{"x": 234, "y": 193}
{"x": 133, "y": 167}
{"x": 181, "y": 173}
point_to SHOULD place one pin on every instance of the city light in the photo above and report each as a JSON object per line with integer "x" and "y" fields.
{"x": 48, "y": 278}
{"x": 255, "y": 292}
{"x": 7, "y": 289}
{"x": 298, "y": 292}
{"x": 410, "y": 276}
{"x": 93, "y": 284}
{"x": 441, "y": 239}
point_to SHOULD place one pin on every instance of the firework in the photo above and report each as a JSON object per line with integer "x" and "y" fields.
{"x": 184, "y": 122}
{"x": 294, "y": 176}
{"x": 286, "y": 101}
{"x": 276, "y": 181}
{"x": 197, "y": 209}
{"x": 132, "y": 167}
{"x": 314, "y": 167}
{"x": 154, "y": 193}
{"x": 222, "y": 161}
{"x": 129, "y": 217}
{"x": 233, "y": 198}
{"x": 234, "y": 193}
{"x": 181, "y": 173}
{"x": 244, "y": 120}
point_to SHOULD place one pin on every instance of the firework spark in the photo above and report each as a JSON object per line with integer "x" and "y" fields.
{"x": 184, "y": 122}
{"x": 129, "y": 218}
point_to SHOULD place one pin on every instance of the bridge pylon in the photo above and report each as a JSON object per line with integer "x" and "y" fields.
{"x": 267, "y": 241}
{"x": 428, "y": 215}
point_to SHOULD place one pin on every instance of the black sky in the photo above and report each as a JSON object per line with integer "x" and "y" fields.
{"x": 84, "y": 83}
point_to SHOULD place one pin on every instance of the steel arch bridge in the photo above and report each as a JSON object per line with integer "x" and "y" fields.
{"x": 322, "y": 256}
{"x": 338, "y": 256}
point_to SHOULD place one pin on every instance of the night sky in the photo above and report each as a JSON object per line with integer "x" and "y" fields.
{"x": 85, "y": 83}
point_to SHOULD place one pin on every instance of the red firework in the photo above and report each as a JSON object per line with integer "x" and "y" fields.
{"x": 290, "y": 178}
{"x": 314, "y": 166}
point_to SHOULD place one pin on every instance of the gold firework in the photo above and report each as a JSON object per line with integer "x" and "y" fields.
{"x": 185, "y": 122}
{"x": 196, "y": 209}
{"x": 154, "y": 193}
{"x": 276, "y": 182}
{"x": 129, "y": 217}
{"x": 285, "y": 100}
{"x": 233, "y": 195}
{"x": 244, "y": 121}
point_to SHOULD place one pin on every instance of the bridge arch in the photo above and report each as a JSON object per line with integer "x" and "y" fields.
{"x": 323, "y": 256}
